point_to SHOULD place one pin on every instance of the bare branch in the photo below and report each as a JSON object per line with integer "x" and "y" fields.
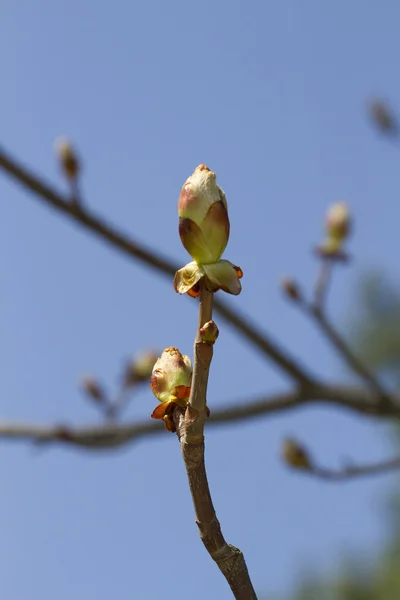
{"x": 87, "y": 219}
{"x": 190, "y": 429}
{"x": 108, "y": 436}
{"x": 353, "y": 471}
{"x": 297, "y": 456}
{"x": 342, "y": 347}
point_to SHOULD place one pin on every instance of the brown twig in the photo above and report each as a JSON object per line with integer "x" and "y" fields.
{"x": 108, "y": 436}
{"x": 87, "y": 219}
{"x": 342, "y": 347}
{"x": 119, "y": 403}
{"x": 353, "y": 471}
{"x": 190, "y": 430}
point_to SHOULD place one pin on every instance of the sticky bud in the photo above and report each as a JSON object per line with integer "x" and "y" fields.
{"x": 92, "y": 388}
{"x": 295, "y": 455}
{"x": 67, "y": 157}
{"x": 204, "y": 231}
{"x": 291, "y": 288}
{"x": 203, "y": 217}
{"x": 209, "y": 332}
{"x": 170, "y": 381}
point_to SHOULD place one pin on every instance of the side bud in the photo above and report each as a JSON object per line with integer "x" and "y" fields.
{"x": 295, "y": 455}
{"x": 170, "y": 381}
{"x": 203, "y": 217}
{"x": 209, "y": 333}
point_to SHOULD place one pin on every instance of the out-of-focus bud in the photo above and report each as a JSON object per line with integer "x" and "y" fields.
{"x": 68, "y": 158}
{"x": 338, "y": 227}
{"x": 338, "y": 222}
{"x": 93, "y": 389}
{"x": 203, "y": 217}
{"x": 139, "y": 369}
{"x": 209, "y": 332}
{"x": 291, "y": 288}
{"x": 383, "y": 117}
{"x": 222, "y": 275}
{"x": 170, "y": 381}
{"x": 295, "y": 455}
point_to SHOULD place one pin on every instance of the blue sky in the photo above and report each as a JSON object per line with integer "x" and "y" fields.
{"x": 270, "y": 95}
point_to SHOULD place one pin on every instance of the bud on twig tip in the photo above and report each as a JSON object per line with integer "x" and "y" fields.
{"x": 67, "y": 157}
{"x": 291, "y": 288}
{"x": 204, "y": 231}
{"x": 295, "y": 455}
{"x": 92, "y": 388}
{"x": 383, "y": 117}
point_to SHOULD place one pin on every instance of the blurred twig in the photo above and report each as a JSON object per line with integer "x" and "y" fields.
{"x": 111, "y": 435}
{"x": 338, "y": 342}
{"x": 354, "y": 471}
{"x": 316, "y": 311}
{"x": 126, "y": 244}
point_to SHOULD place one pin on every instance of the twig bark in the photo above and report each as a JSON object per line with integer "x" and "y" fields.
{"x": 190, "y": 430}
{"x": 124, "y": 243}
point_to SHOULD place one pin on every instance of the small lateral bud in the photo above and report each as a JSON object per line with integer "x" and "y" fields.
{"x": 383, "y": 117}
{"x": 170, "y": 381}
{"x": 295, "y": 455}
{"x": 209, "y": 332}
{"x": 169, "y": 423}
{"x": 291, "y": 289}
{"x": 68, "y": 158}
{"x": 92, "y": 389}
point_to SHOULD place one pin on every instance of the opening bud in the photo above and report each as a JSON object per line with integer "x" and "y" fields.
{"x": 383, "y": 117}
{"x": 170, "y": 381}
{"x": 203, "y": 217}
